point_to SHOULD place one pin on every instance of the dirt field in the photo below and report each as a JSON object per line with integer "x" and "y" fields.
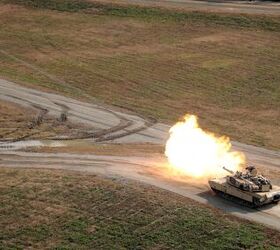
{"x": 65, "y": 210}
{"x": 19, "y": 123}
{"x": 162, "y": 64}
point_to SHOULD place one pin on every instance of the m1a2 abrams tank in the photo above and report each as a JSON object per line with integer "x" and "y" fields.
{"x": 247, "y": 188}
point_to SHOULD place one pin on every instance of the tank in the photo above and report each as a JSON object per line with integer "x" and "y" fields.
{"x": 246, "y": 187}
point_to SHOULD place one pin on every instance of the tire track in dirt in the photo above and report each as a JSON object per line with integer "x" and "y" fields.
{"x": 117, "y": 125}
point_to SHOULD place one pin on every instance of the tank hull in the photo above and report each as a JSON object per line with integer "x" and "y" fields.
{"x": 252, "y": 199}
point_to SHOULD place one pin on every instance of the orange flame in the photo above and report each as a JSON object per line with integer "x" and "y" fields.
{"x": 199, "y": 154}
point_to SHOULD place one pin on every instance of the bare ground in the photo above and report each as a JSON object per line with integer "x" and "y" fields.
{"x": 19, "y": 123}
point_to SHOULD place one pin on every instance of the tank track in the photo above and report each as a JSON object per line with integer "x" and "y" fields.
{"x": 235, "y": 199}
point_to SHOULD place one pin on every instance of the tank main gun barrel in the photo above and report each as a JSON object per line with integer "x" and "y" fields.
{"x": 230, "y": 171}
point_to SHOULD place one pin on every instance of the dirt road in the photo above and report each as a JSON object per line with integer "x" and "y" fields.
{"x": 109, "y": 125}
{"x": 245, "y": 7}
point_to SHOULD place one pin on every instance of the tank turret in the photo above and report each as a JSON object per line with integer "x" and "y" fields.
{"x": 249, "y": 180}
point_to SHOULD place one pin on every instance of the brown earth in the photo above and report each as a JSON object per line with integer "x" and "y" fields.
{"x": 19, "y": 123}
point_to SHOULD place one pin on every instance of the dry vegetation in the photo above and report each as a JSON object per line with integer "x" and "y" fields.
{"x": 84, "y": 147}
{"x": 43, "y": 209}
{"x": 158, "y": 64}
{"x": 224, "y": 68}
{"x": 17, "y": 122}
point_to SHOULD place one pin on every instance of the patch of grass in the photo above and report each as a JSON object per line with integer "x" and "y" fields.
{"x": 83, "y": 147}
{"x": 60, "y": 5}
{"x": 148, "y": 13}
{"x": 152, "y": 62}
{"x": 78, "y": 211}
{"x": 245, "y": 21}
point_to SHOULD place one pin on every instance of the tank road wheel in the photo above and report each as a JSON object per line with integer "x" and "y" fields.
{"x": 256, "y": 202}
{"x": 214, "y": 190}
{"x": 276, "y": 198}
{"x": 217, "y": 192}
